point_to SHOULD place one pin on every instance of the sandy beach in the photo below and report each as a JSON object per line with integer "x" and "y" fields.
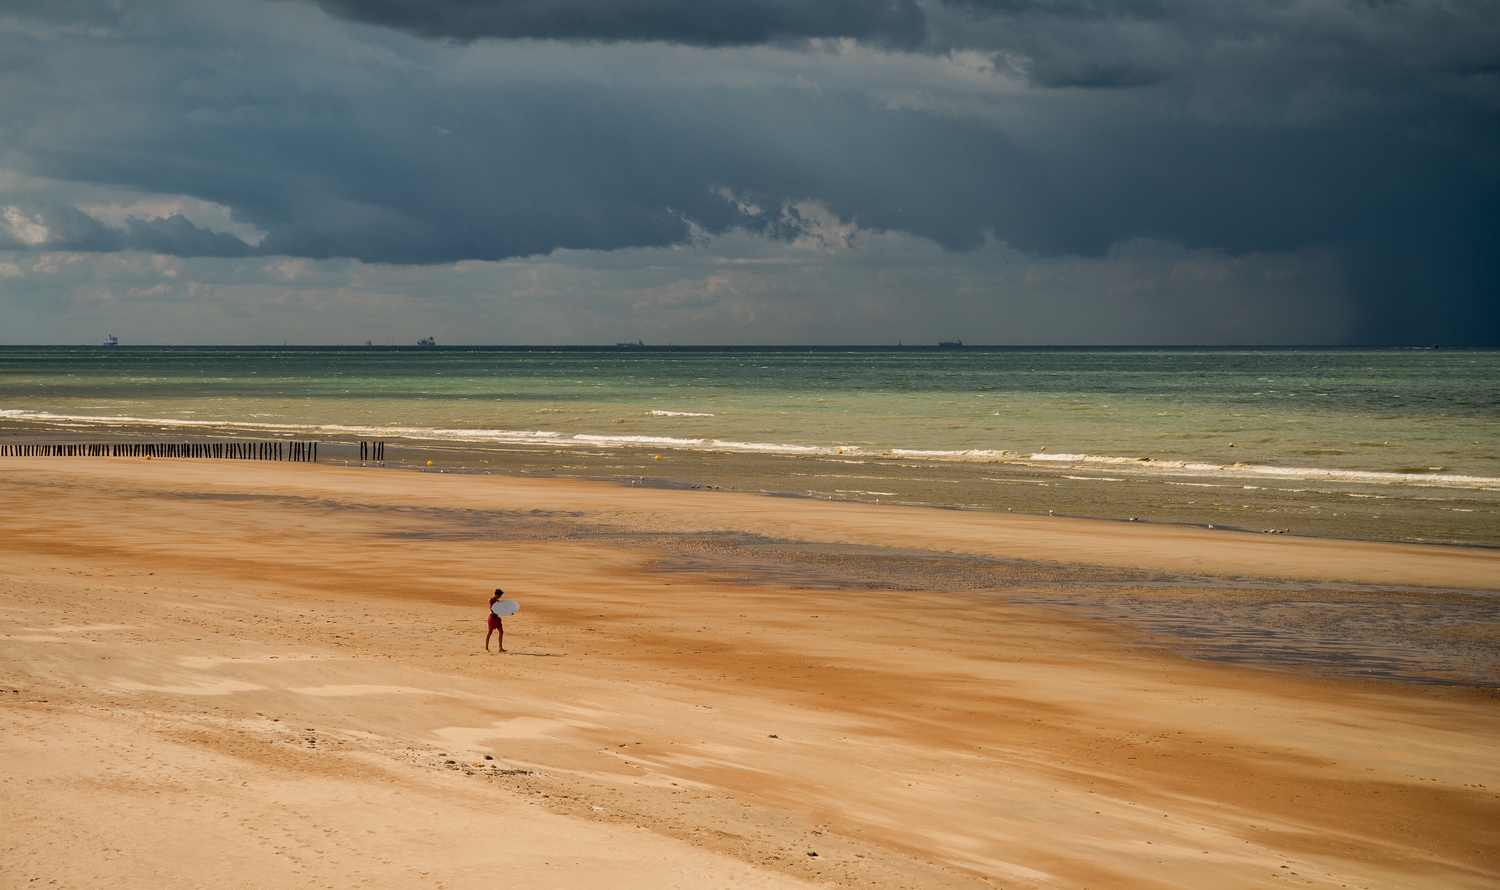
{"x": 264, "y": 675}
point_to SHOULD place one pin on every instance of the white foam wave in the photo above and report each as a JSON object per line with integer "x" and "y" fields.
{"x": 1182, "y": 467}
{"x": 1130, "y": 465}
{"x": 659, "y": 413}
{"x": 302, "y": 429}
{"x": 772, "y": 448}
{"x": 660, "y": 441}
{"x": 971, "y": 454}
{"x": 712, "y": 444}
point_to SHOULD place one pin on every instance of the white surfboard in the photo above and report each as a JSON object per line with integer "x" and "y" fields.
{"x": 505, "y": 607}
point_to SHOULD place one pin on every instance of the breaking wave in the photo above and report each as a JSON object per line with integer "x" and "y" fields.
{"x": 1135, "y": 466}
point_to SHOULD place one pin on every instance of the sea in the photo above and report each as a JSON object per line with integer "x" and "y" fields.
{"x": 1382, "y": 444}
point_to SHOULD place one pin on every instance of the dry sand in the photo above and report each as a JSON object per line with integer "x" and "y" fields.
{"x": 267, "y": 675}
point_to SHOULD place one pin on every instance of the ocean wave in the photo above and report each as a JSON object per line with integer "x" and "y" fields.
{"x": 1266, "y": 471}
{"x": 660, "y": 441}
{"x": 971, "y": 454}
{"x": 710, "y": 444}
{"x": 660, "y": 413}
{"x": 1135, "y": 466}
{"x": 774, "y": 448}
{"x": 302, "y": 429}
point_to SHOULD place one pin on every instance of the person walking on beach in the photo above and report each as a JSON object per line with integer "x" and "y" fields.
{"x": 495, "y": 623}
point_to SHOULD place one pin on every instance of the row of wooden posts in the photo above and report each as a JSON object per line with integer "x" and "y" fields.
{"x": 293, "y": 451}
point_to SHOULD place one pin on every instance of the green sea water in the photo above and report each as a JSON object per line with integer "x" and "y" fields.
{"x": 1392, "y": 444}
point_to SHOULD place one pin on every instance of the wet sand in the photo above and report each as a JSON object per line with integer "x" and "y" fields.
{"x": 271, "y": 675}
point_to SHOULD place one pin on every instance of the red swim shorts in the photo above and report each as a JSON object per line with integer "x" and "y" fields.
{"x": 494, "y": 621}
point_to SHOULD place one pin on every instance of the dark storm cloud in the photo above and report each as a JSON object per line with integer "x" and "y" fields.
{"x": 55, "y": 226}
{"x": 692, "y": 22}
{"x": 40, "y": 225}
{"x": 1079, "y": 9}
{"x": 1370, "y": 127}
{"x": 1366, "y": 130}
{"x": 1262, "y": 51}
{"x": 176, "y": 236}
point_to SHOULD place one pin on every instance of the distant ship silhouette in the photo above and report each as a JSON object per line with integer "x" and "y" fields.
{"x": 427, "y": 341}
{"x": 111, "y": 340}
{"x": 951, "y": 344}
{"x": 639, "y": 344}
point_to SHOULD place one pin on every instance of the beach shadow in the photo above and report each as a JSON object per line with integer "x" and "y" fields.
{"x": 539, "y": 654}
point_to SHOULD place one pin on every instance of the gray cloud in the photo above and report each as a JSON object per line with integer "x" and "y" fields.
{"x": 691, "y": 22}
{"x": 1273, "y": 62}
{"x": 832, "y": 283}
{"x": 176, "y": 236}
{"x": 40, "y": 225}
{"x": 1366, "y": 133}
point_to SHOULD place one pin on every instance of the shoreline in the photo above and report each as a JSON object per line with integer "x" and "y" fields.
{"x": 1077, "y": 526}
{"x": 1336, "y": 510}
{"x": 668, "y": 485}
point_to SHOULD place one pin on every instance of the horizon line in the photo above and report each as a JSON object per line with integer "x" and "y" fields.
{"x": 626, "y": 347}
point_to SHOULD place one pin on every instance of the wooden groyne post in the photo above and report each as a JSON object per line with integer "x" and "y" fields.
{"x": 304, "y": 452}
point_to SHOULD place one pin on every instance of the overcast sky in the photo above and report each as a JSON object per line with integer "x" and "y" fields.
{"x": 750, "y": 171}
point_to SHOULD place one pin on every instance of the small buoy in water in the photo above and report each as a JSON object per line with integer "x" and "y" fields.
{"x": 429, "y": 463}
{"x": 1044, "y": 447}
{"x": 656, "y": 457}
{"x": 1231, "y": 444}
